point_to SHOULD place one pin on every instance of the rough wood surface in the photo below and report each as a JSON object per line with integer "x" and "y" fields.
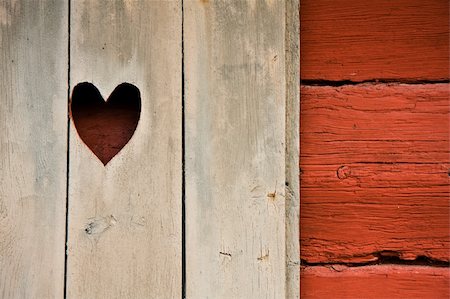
{"x": 235, "y": 149}
{"x": 382, "y": 39}
{"x": 125, "y": 217}
{"x": 377, "y": 282}
{"x": 375, "y": 123}
{"x": 33, "y": 147}
{"x": 292, "y": 181}
{"x": 375, "y": 172}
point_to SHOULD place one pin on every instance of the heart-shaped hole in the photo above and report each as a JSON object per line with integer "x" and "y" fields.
{"x": 105, "y": 126}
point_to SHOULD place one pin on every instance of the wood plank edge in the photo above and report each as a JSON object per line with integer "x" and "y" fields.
{"x": 292, "y": 185}
{"x": 375, "y": 281}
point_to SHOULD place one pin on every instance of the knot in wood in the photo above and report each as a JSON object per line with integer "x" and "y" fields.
{"x": 343, "y": 172}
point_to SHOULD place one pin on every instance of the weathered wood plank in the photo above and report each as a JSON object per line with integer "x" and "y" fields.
{"x": 33, "y": 147}
{"x": 374, "y": 163}
{"x": 381, "y": 39}
{"x": 125, "y": 217}
{"x": 235, "y": 149}
{"x": 383, "y": 281}
{"x": 292, "y": 149}
{"x": 394, "y": 123}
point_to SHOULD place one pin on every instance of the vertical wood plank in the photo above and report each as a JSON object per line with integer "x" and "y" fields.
{"x": 235, "y": 149}
{"x": 33, "y": 147}
{"x": 292, "y": 149}
{"x": 125, "y": 217}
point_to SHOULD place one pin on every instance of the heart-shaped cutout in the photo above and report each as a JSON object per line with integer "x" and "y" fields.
{"x": 105, "y": 126}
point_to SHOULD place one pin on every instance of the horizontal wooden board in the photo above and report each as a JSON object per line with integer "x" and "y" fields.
{"x": 374, "y": 163}
{"x": 380, "y": 39}
{"x": 375, "y": 123}
{"x": 381, "y": 281}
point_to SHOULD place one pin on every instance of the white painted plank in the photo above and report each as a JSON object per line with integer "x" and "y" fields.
{"x": 235, "y": 149}
{"x": 292, "y": 149}
{"x": 33, "y": 147}
{"x": 133, "y": 203}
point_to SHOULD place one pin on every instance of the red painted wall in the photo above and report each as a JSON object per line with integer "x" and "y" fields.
{"x": 375, "y": 150}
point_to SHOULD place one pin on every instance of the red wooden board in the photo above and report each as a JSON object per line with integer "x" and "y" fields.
{"x": 375, "y": 172}
{"x": 383, "y": 39}
{"x": 375, "y": 123}
{"x": 378, "y": 282}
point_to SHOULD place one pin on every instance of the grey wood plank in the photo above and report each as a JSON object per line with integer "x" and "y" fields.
{"x": 33, "y": 147}
{"x": 125, "y": 217}
{"x": 235, "y": 149}
{"x": 292, "y": 149}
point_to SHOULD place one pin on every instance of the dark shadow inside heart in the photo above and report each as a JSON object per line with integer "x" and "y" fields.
{"x": 105, "y": 126}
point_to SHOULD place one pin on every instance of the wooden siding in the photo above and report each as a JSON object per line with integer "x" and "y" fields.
{"x": 375, "y": 157}
{"x": 367, "y": 40}
{"x": 375, "y": 282}
{"x": 149, "y": 149}
{"x": 374, "y": 164}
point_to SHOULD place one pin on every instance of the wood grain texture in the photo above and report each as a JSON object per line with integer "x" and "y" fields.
{"x": 375, "y": 163}
{"x": 125, "y": 217}
{"x": 383, "y": 39}
{"x": 375, "y": 123}
{"x": 292, "y": 181}
{"x": 377, "y": 282}
{"x": 33, "y": 147}
{"x": 235, "y": 149}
